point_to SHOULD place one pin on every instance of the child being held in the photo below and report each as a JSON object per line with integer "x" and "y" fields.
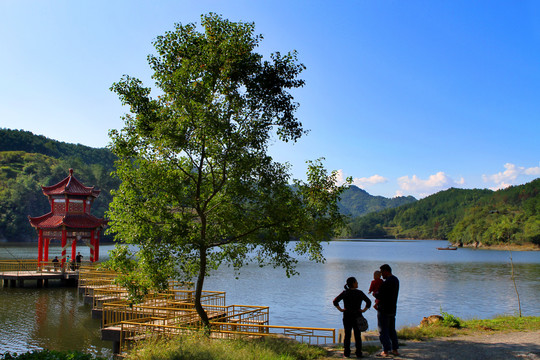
{"x": 375, "y": 285}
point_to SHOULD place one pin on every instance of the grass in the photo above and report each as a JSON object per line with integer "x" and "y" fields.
{"x": 470, "y": 327}
{"x": 201, "y": 348}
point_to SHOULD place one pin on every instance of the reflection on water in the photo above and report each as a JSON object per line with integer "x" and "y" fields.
{"x": 53, "y": 318}
{"x": 467, "y": 283}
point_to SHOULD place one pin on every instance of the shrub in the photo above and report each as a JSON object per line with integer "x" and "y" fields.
{"x": 48, "y": 355}
{"x": 450, "y": 320}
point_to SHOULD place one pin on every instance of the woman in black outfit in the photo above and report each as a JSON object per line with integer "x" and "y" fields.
{"x": 352, "y": 303}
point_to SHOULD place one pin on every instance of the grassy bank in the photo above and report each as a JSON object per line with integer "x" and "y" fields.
{"x": 270, "y": 348}
{"x": 451, "y": 326}
{"x": 202, "y": 348}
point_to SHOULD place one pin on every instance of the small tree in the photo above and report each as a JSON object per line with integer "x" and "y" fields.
{"x": 198, "y": 187}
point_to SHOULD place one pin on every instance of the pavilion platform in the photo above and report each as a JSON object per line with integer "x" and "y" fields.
{"x": 14, "y": 273}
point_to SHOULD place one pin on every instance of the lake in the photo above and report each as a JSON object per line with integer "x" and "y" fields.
{"x": 468, "y": 283}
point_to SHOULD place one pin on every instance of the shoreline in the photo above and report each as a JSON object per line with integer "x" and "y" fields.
{"x": 505, "y": 247}
{"x": 498, "y": 247}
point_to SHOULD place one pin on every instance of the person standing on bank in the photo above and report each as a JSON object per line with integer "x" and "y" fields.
{"x": 352, "y": 307}
{"x": 386, "y": 311}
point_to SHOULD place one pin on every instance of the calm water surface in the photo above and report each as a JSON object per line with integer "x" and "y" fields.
{"x": 467, "y": 283}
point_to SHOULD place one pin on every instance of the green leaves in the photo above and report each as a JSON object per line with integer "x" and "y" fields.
{"x": 198, "y": 188}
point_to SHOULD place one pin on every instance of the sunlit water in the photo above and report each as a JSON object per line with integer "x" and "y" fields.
{"x": 467, "y": 283}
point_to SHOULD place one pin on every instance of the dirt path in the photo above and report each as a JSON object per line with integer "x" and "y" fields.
{"x": 511, "y": 345}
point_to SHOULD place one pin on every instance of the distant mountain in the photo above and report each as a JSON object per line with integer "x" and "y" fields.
{"x": 357, "y": 202}
{"x": 510, "y": 215}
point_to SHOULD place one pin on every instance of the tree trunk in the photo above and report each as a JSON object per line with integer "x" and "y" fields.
{"x": 198, "y": 292}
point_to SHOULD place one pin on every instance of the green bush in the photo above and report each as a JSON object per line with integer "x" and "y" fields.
{"x": 48, "y": 355}
{"x": 450, "y": 320}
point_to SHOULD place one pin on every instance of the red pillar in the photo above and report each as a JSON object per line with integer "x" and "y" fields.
{"x": 46, "y": 256}
{"x": 40, "y": 247}
{"x": 92, "y": 242}
{"x": 64, "y": 240}
{"x": 96, "y": 247}
{"x": 73, "y": 249}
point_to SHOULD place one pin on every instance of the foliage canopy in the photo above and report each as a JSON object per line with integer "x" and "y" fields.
{"x": 198, "y": 187}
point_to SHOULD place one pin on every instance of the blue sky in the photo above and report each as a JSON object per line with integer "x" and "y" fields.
{"x": 407, "y": 97}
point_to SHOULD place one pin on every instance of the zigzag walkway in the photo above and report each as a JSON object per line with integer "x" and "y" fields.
{"x": 173, "y": 312}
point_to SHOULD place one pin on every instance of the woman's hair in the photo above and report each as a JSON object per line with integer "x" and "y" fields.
{"x": 350, "y": 282}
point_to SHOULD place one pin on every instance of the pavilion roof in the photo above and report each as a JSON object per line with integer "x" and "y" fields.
{"x": 70, "y": 186}
{"x": 73, "y": 221}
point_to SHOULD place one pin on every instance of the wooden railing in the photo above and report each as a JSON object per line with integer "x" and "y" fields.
{"x": 154, "y": 327}
{"x": 25, "y": 265}
{"x": 159, "y": 305}
{"x": 18, "y": 265}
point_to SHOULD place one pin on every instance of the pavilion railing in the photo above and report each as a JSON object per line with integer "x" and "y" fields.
{"x": 16, "y": 266}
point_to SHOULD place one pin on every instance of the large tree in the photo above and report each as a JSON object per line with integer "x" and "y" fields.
{"x": 198, "y": 187}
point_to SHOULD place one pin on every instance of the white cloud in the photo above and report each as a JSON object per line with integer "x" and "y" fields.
{"x": 363, "y": 182}
{"x": 368, "y": 181}
{"x": 421, "y": 188}
{"x": 340, "y": 177}
{"x": 509, "y": 176}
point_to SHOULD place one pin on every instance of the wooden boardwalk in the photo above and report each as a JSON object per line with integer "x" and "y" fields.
{"x": 172, "y": 312}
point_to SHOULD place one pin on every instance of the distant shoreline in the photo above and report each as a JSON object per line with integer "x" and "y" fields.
{"x": 509, "y": 247}
{"x": 500, "y": 247}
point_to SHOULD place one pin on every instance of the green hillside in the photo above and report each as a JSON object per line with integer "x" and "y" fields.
{"x": 357, "y": 202}
{"x": 28, "y": 161}
{"x": 489, "y": 217}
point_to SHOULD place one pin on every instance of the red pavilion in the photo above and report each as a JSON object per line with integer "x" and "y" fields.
{"x": 69, "y": 219}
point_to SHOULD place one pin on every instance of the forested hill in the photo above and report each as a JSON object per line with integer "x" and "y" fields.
{"x": 489, "y": 217}
{"x": 357, "y": 202}
{"x": 28, "y": 161}
{"x": 20, "y": 140}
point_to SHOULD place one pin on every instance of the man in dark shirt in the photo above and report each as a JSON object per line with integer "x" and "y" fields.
{"x": 78, "y": 259}
{"x": 386, "y": 312}
{"x": 56, "y": 263}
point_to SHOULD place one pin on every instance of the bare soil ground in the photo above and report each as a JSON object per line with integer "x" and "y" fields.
{"x": 494, "y": 346}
